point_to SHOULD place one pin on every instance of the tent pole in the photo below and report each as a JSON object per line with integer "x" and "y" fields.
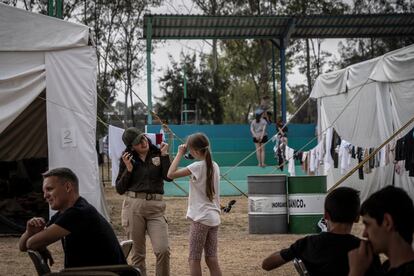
{"x": 50, "y": 9}
{"x": 149, "y": 88}
{"x": 371, "y": 155}
{"x": 283, "y": 78}
{"x": 274, "y": 85}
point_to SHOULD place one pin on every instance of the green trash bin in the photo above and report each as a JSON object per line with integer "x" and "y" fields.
{"x": 306, "y": 197}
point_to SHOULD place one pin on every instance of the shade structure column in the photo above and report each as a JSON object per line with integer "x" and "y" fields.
{"x": 283, "y": 78}
{"x": 149, "y": 77}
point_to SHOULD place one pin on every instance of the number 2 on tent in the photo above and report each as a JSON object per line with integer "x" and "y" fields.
{"x": 68, "y": 137}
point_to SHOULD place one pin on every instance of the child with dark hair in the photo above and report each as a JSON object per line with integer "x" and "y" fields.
{"x": 327, "y": 253}
{"x": 388, "y": 216}
{"x": 203, "y": 202}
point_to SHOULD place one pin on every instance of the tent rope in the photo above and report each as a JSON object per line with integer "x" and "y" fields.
{"x": 277, "y": 167}
{"x": 264, "y": 144}
{"x": 322, "y": 132}
{"x": 175, "y": 135}
{"x": 154, "y": 114}
{"x": 111, "y": 108}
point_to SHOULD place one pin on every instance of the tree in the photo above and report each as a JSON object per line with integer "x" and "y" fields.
{"x": 308, "y": 114}
{"x": 116, "y": 116}
{"x": 214, "y": 7}
{"x": 199, "y": 87}
{"x": 355, "y": 50}
{"x": 116, "y": 26}
{"x": 245, "y": 69}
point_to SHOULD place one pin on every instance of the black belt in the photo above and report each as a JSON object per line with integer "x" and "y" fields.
{"x": 146, "y": 196}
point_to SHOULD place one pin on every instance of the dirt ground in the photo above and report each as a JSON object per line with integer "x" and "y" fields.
{"x": 240, "y": 253}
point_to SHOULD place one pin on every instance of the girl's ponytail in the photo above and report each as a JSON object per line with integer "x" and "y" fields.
{"x": 210, "y": 174}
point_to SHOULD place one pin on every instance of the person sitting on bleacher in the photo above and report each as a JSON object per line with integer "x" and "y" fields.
{"x": 327, "y": 253}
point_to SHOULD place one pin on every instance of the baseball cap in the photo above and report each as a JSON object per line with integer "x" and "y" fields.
{"x": 132, "y": 136}
{"x": 259, "y": 111}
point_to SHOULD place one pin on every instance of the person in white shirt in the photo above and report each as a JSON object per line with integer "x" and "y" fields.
{"x": 203, "y": 202}
{"x": 258, "y": 130}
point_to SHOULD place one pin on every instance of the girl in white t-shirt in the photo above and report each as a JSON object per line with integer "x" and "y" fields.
{"x": 203, "y": 202}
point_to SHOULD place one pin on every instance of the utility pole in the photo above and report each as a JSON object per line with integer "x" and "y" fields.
{"x": 55, "y": 8}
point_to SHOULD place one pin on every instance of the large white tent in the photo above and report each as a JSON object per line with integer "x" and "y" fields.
{"x": 366, "y": 103}
{"x": 48, "y": 95}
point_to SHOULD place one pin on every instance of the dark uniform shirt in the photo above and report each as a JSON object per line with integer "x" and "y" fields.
{"x": 326, "y": 254}
{"x": 92, "y": 241}
{"x": 406, "y": 269}
{"x": 146, "y": 177}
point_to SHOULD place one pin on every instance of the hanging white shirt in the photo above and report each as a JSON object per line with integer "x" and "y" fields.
{"x": 328, "y": 161}
{"x": 289, "y": 153}
{"x": 312, "y": 160}
{"x": 344, "y": 156}
{"x": 200, "y": 208}
{"x": 115, "y": 149}
{"x": 383, "y": 156}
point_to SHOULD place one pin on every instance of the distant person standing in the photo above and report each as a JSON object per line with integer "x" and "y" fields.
{"x": 258, "y": 130}
{"x": 203, "y": 202}
{"x": 281, "y": 142}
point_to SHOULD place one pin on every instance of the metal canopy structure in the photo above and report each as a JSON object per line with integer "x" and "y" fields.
{"x": 269, "y": 27}
{"x": 277, "y": 28}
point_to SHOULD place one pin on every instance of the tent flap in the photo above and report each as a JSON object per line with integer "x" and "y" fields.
{"x": 395, "y": 66}
{"x": 18, "y": 91}
{"x": 378, "y": 100}
{"x": 71, "y": 112}
{"x": 29, "y": 128}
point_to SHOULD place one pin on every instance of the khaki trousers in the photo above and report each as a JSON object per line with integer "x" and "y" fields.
{"x": 140, "y": 216}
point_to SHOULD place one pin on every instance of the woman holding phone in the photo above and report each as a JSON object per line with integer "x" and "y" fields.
{"x": 142, "y": 172}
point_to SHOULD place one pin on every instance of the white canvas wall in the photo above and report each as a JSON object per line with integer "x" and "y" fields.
{"x": 37, "y": 53}
{"x": 366, "y": 103}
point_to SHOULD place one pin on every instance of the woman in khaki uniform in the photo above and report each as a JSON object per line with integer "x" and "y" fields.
{"x": 141, "y": 177}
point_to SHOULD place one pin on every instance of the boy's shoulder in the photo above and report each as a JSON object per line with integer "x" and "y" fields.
{"x": 405, "y": 269}
{"x": 329, "y": 237}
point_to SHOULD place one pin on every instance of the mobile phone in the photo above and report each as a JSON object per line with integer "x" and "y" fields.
{"x": 129, "y": 150}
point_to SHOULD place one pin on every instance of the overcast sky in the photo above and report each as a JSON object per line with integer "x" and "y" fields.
{"x": 160, "y": 56}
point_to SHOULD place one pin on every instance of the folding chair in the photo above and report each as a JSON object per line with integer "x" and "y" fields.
{"x": 43, "y": 269}
{"x": 126, "y": 247}
{"x": 300, "y": 267}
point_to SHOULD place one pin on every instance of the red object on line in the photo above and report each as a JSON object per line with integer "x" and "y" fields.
{"x": 158, "y": 138}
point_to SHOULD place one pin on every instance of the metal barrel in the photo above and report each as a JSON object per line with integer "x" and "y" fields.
{"x": 306, "y": 197}
{"x": 267, "y": 204}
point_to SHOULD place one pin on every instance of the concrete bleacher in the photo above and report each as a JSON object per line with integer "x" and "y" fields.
{"x": 232, "y": 143}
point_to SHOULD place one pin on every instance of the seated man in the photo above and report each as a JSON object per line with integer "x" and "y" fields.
{"x": 388, "y": 216}
{"x": 327, "y": 253}
{"x": 87, "y": 238}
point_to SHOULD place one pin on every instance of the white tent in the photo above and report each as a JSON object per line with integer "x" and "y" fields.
{"x": 366, "y": 103}
{"x": 48, "y": 82}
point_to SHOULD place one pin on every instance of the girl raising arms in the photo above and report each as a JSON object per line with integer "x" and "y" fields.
{"x": 203, "y": 202}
